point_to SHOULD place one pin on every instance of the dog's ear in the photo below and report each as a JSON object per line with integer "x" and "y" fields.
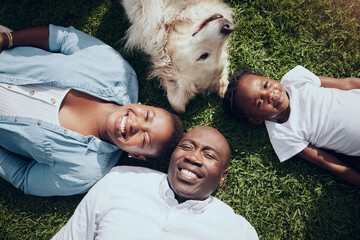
{"x": 177, "y": 90}
{"x": 178, "y": 96}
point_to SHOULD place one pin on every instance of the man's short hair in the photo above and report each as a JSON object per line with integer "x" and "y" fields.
{"x": 229, "y": 98}
{"x": 175, "y": 137}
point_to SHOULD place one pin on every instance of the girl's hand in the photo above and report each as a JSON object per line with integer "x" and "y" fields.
{"x": 330, "y": 163}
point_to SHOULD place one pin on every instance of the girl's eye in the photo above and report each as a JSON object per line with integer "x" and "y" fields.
{"x": 266, "y": 85}
{"x": 260, "y": 102}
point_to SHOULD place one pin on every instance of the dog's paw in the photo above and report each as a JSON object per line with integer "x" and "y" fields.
{"x": 222, "y": 87}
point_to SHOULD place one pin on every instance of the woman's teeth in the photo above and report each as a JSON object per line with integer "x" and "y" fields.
{"x": 122, "y": 125}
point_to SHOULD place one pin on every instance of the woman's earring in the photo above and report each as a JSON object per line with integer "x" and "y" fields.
{"x": 129, "y": 156}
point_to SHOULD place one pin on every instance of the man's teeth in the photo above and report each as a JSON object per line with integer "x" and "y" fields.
{"x": 189, "y": 173}
{"x": 122, "y": 125}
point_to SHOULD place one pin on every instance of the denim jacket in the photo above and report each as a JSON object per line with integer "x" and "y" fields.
{"x": 45, "y": 159}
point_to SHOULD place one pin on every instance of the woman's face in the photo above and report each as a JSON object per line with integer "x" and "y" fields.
{"x": 140, "y": 130}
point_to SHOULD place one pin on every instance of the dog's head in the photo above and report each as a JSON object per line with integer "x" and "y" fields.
{"x": 196, "y": 48}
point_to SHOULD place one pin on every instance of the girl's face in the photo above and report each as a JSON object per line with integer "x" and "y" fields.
{"x": 138, "y": 129}
{"x": 262, "y": 98}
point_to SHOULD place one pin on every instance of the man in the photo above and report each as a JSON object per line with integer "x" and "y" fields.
{"x": 140, "y": 203}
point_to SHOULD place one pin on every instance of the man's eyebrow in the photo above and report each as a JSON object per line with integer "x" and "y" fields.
{"x": 153, "y": 115}
{"x": 188, "y": 140}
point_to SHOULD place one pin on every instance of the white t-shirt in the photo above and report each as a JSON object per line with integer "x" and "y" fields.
{"x": 327, "y": 118}
{"x": 137, "y": 203}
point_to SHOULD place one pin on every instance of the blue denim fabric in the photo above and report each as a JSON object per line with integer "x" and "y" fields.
{"x": 45, "y": 159}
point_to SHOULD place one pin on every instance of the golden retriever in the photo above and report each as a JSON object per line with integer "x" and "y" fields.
{"x": 186, "y": 40}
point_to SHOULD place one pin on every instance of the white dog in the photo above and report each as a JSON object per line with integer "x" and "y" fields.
{"x": 186, "y": 41}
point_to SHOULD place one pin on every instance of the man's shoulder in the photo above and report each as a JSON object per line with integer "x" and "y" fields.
{"x": 222, "y": 208}
{"x": 135, "y": 171}
{"x": 233, "y": 222}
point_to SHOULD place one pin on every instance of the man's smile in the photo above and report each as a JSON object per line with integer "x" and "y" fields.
{"x": 189, "y": 175}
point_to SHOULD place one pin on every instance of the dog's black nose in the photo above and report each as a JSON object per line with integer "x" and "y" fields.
{"x": 227, "y": 27}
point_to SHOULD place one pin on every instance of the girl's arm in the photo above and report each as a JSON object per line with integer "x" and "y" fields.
{"x": 340, "y": 83}
{"x": 31, "y": 37}
{"x": 331, "y": 163}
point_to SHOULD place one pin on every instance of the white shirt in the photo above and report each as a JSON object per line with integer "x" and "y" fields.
{"x": 137, "y": 203}
{"x": 32, "y": 101}
{"x": 327, "y": 118}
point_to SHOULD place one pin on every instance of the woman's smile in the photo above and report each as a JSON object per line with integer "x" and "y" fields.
{"x": 123, "y": 125}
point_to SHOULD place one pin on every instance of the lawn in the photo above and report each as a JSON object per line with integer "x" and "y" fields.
{"x": 291, "y": 200}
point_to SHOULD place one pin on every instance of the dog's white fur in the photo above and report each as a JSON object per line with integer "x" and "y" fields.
{"x": 164, "y": 30}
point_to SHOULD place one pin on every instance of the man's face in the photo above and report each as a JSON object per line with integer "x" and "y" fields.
{"x": 198, "y": 164}
{"x": 261, "y": 98}
{"x": 140, "y": 130}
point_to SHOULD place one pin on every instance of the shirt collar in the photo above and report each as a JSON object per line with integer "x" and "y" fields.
{"x": 96, "y": 144}
{"x": 193, "y": 206}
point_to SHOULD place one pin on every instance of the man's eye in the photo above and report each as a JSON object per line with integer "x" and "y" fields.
{"x": 210, "y": 156}
{"x": 266, "y": 85}
{"x": 185, "y": 147}
{"x": 260, "y": 102}
{"x": 143, "y": 140}
{"x": 147, "y": 115}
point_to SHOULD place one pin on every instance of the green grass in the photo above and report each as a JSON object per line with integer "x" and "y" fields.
{"x": 292, "y": 200}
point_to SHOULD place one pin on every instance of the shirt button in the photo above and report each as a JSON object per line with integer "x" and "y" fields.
{"x": 32, "y": 92}
{"x": 53, "y": 101}
{"x": 39, "y": 123}
{"x": 65, "y": 131}
{"x": 16, "y": 119}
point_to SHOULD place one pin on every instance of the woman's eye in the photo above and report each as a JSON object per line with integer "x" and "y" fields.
{"x": 266, "y": 85}
{"x": 203, "y": 56}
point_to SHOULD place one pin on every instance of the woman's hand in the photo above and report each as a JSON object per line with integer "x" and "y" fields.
{"x": 31, "y": 37}
{"x": 4, "y": 41}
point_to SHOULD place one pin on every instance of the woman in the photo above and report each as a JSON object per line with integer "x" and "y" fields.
{"x": 65, "y": 112}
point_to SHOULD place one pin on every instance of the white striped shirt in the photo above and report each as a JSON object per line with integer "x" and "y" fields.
{"x": 33, "y": 101}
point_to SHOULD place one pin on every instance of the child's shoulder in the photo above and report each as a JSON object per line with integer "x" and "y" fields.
{"x": 300, "y": 75}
